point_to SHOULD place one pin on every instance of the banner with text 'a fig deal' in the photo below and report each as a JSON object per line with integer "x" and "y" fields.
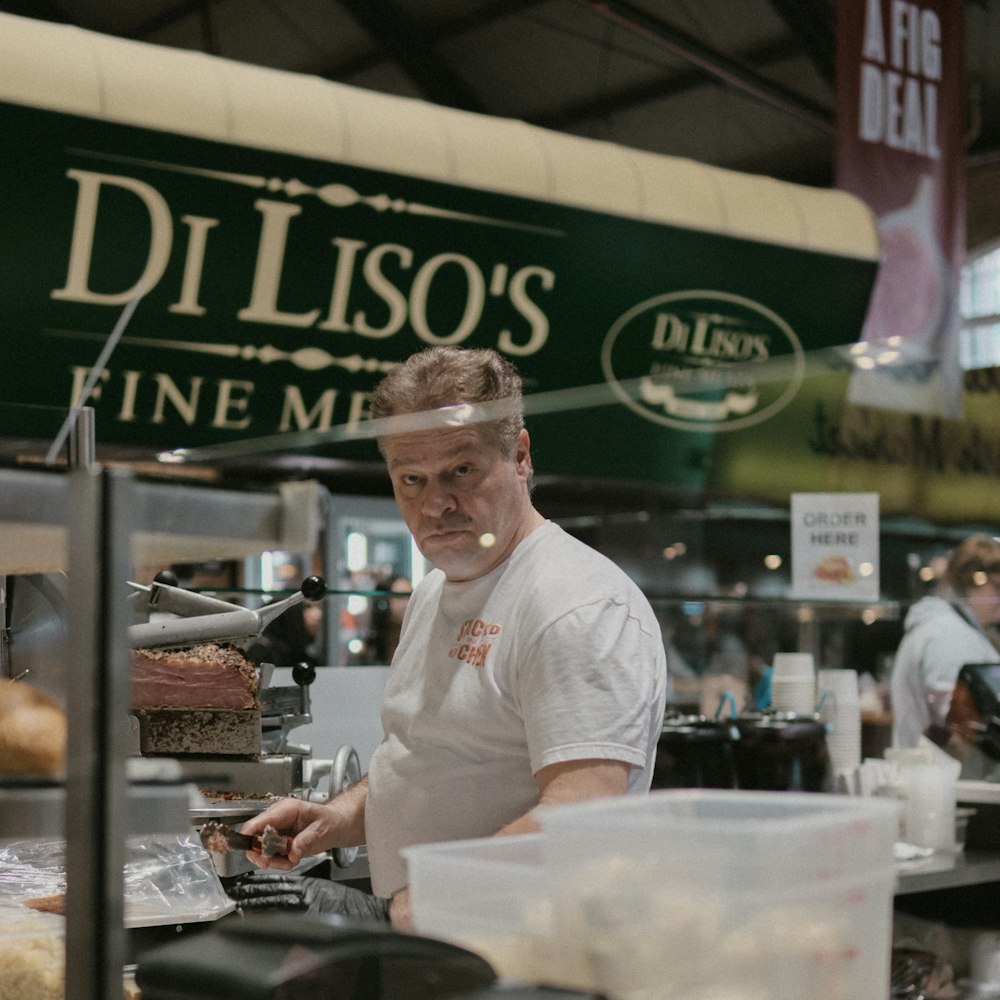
{"x": 900, "y": 127}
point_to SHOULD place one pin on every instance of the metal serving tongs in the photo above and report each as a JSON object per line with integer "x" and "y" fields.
{"x": 206, "y": 619}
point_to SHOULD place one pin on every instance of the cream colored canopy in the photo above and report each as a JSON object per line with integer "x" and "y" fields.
{"x": 68, "y": 69}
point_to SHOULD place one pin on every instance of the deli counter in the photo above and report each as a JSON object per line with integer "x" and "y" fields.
{"x": 78, "y": 536}
{"x": 98, "y": 525}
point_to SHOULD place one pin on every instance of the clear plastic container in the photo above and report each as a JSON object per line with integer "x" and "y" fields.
{"x": 490, "y": 896}
{"x": 726, "y": 836}
{"x": 695, "y": 893}
{"x": 686, "y": 894}
{"x": 631, "y": 938}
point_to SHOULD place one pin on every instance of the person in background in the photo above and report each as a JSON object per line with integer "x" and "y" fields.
{"x": 941, "y": 633}
{"x": 285, "y": 642}
{"x": 530, "y": 669}
{"x": 387, "y": 618}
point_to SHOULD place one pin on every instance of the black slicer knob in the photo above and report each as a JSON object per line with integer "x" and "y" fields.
{"x": 303, "y": 674}
{"x": 313, "y": 588}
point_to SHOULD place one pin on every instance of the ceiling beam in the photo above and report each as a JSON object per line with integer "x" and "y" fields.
{"x": 628, "y": 98}
{"x": 403, "y": 40}
{"x": 169, "y": 16}
{"x": 40, "y": 10}
{"x": 434, "y": 32}
{"x": 814, "y": 25}
{"x": 713, "y": 63}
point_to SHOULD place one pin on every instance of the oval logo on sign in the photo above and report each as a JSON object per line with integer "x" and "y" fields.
{"x": 703, "y": 360}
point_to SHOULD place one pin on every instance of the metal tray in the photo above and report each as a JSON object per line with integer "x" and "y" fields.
{"x": 229, "y": 809}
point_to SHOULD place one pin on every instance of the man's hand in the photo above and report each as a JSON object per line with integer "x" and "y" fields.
{"x": 310, "y": 827}
{"x": 313, "y": 827}
{"x": 399, "y": 911}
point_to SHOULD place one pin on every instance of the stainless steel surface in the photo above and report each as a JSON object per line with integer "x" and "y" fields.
{"x": 37, "y": 641}
{"x": 358, "y": 868}
{"x": 948, "y": 871}
{"x": 199, "y": 618}
{"x": 346, "y": 771}
{"x": 4, "y": 631}
{"x": 34, "y": 533}
{"x": 229, "y": 810}
{"x": 284, "y": 708}
{"x": 155, "y": 809}
{"x": 82, "y": 437}
{"x": 30, "y": 810}
{"x": 190, "y": 632}
{"x": 101, "y": 520}
{"x": 98, "y": 525}
{"x": 269, "y": 774}
{"x": 173, "y": 523}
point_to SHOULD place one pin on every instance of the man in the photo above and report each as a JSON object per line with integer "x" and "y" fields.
{"x": 530, "y": 669}
{"x": 941, "y": 633}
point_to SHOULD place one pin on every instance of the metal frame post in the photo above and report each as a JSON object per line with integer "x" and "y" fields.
{"x": 100, "y": 521}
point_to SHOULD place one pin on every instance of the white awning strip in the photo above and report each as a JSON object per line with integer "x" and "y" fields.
{"x": 68, "y": 69}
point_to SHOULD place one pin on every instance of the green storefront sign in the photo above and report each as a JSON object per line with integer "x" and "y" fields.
{"x": 275, "y": 290}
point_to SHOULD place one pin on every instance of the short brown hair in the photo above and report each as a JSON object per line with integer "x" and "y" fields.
{"x": 977, "y": 554}
{"x": 447, "y": 376}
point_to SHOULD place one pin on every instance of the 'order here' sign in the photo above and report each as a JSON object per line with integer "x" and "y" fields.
{"x": 835, "y": 546}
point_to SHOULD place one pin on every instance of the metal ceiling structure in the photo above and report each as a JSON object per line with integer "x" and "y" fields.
{"x": 743, "y": 84}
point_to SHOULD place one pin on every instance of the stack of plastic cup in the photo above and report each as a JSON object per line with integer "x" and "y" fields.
{"x": 840, "y": 707}
{"x": 793, "y": 683}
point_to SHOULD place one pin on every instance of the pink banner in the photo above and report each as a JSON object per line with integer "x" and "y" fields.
{"x": 900, "y": 125}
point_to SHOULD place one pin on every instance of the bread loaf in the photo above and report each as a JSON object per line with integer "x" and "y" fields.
{"x": 32, "y": 731}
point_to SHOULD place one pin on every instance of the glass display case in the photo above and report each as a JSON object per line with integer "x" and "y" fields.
{"x": 70, "y": 542}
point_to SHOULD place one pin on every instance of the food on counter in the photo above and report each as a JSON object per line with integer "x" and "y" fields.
{"x": 221, "y": 838}
{"x": 203, "y": 676}
{"x": 834, "y": 569}
{"x": 32, "y": 731}
{"x": 215, "y": 837}
{"x": 47, "y": 904}
{"x": 920, "y": 973}
{"x": 273, "y": 843}
{"x": 32, "y": 955}
{"x": 238, "y": 797}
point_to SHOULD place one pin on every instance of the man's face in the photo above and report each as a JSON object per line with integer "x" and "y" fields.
{"x": 466, "y": 505}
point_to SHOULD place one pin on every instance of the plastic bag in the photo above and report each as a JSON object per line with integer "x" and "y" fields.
{"x": 167, "y": 878}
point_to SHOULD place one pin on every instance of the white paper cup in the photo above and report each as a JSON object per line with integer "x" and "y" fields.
{"x": 793, "y": 694}
{"x": 930, "y": 806}
{"x": 793, "y": 665}
{"x": 843, "y": 684}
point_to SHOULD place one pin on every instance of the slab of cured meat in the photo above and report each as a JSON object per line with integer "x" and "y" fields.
{"x": 198, "y": 700}
{"x": 203, "y": 676}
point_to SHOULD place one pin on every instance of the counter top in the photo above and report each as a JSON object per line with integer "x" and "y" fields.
{"x": 948, "y": 871}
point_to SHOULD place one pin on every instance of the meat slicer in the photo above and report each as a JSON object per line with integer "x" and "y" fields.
{"x": 239, "y": 759}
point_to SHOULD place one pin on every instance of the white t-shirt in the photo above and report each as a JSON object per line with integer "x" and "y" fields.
{"x": 554, "y": 656}
{"x": 938, "y": 641}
